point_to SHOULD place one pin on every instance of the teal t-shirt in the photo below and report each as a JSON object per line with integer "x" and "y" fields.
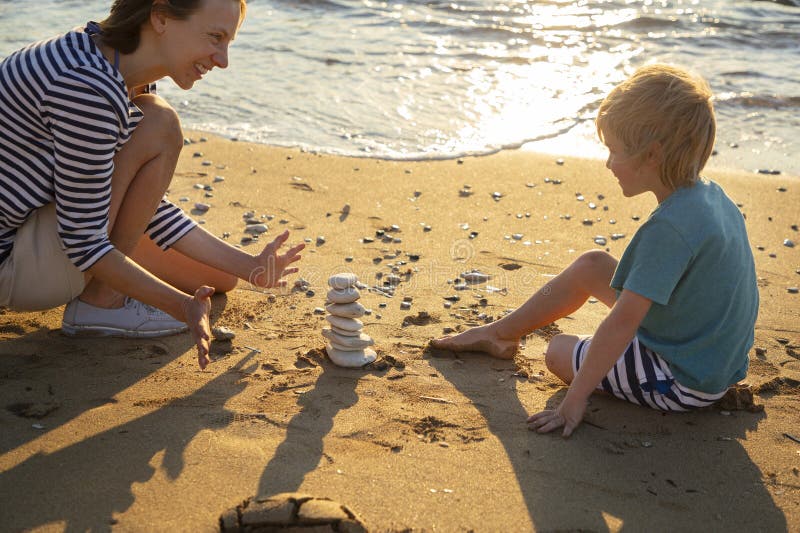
{"x": 692, "y": 258}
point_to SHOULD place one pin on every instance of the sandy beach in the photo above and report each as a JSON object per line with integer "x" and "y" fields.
{"x": 129, "y": 435}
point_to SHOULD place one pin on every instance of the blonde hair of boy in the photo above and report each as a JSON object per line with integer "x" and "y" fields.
{"x": 665, "y": 105}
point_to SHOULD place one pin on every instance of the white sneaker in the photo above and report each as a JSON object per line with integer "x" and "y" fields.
{"x": 133, "y": 319}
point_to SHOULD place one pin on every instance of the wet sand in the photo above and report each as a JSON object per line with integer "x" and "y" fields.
{"x": 129, "y": 435}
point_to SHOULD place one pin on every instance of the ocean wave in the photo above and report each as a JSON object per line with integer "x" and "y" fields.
{"x": 789, "y": 3}
{"x": 646, "y": 23}
{"x": 749, "y": 100}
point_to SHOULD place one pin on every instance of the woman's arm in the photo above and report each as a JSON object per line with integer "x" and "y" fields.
{"x": 608, "y": 343}
{"x": 263, "y": 270}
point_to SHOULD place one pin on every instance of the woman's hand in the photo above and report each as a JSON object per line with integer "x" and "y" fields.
{"x": 568, "y": 414}
{"x": 196, "y": 311}
{"x": 271, "y": 266}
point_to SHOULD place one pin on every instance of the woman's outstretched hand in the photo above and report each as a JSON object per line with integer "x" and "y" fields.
{"x": 197, "y": 311}
{"x": 273, "y": 267}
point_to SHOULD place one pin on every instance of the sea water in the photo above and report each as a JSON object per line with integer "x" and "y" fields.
{"x": 432, "y": 80}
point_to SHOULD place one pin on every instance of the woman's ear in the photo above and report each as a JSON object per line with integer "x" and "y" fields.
{"x": 158, "y": 17}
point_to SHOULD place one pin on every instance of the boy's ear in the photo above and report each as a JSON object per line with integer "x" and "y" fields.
{"x": 654, "y": 154}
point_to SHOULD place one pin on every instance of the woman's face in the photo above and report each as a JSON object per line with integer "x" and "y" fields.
{"x": 194, "y": 46}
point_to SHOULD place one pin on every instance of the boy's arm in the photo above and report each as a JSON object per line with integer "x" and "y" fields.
{"x": 608, "y": 343}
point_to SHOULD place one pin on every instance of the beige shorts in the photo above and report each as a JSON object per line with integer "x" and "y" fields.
{"x": 38, "y": 274}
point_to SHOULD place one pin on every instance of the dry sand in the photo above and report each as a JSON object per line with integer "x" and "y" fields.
{"x": 129, "y": 435}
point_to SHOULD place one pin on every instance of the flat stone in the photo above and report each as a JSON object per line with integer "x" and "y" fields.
{"x": 256, "y": 229}
{"x": 342, "y": 281}
{"x": 348, "y": 324}
{"x": 222, "y": 333}
{"x": 392, "y": 280}
{"x": 344, "y": 296}
{"x": 347, "y": 342}
{"x": 475, "y": 277}
{"x": 350, "y": 359}
{"x": 344, "y": 332}
{"x": 351, "y": 310}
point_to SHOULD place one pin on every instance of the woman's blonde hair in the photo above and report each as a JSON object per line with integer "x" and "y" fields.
{"x": 665, "y": 105}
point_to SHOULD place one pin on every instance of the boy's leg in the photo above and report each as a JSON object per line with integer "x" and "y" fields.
{"x": 589, "y": 275}
{"x": 560, "y": 354}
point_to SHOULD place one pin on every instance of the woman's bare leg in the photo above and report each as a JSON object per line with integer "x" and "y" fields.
{"x": 180, "y": 271}
{"x": 589, "y": 275}
{"x": 143, "y": 170}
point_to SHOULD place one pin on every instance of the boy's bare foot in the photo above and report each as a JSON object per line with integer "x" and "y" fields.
{"x": 480, "y": 339}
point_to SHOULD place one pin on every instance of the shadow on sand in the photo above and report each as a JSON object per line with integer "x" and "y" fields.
{"x": 43, "y": 367}
{"x": 626, "y": 457}
{"x": 302, "y": 449}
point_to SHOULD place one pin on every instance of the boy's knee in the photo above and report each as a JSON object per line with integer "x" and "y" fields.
{"x": 552, "y": 354}
{"x": 558, "y": 356}
{"x": 596, "y": 259}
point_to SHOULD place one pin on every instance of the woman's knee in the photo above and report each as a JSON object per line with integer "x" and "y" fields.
{"x": 160, "y": 121}
{"x": 225, "y": 283}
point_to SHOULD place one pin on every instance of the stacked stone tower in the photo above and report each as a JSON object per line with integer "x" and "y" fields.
{"x": 347, "y": 344}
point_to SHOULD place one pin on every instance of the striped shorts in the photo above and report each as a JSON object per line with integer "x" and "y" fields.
{"x": 642, "y": 377}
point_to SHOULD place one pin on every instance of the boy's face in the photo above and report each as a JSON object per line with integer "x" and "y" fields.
{"x": 626, "y": 168}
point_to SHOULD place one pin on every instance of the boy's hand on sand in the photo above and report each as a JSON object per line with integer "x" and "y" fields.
{"x": 271, "y": 266}
{"x": 567, "y": 414}
{"x": 197, "y": 310}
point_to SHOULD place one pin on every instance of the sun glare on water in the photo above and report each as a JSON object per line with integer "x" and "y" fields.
{"x": 543, "y": 82}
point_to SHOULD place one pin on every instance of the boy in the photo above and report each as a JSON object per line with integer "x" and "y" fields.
{"x": 683, "y": 297}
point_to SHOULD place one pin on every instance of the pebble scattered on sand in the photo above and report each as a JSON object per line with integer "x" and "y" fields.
{"x": 221, "y": 333}
{"x": 256, "y": 229}
{"x": 475, "y": 276}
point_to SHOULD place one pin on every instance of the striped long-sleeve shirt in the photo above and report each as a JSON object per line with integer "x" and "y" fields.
{"x": 64, "y": 113}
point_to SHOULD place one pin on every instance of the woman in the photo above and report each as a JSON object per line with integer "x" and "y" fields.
{"x": 87, "y": 153}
